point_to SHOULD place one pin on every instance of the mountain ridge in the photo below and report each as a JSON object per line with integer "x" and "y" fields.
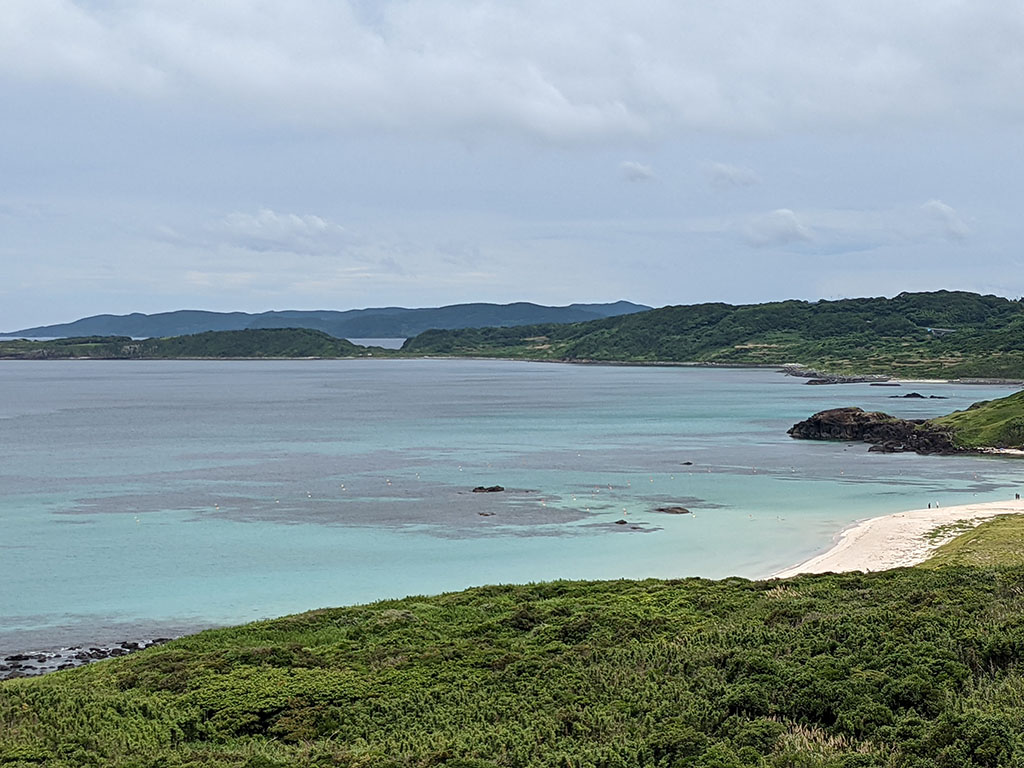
{"x": 372, "y": 322}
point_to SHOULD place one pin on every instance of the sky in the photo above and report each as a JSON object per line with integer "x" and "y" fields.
{"x": 335, "y": 154}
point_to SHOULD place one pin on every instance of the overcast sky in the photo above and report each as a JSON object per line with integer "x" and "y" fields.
{"x": 252, "y": 154}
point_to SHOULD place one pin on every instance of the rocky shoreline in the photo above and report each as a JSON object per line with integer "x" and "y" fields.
{"x": 33, "y": 663}
{"x": 885, "y": 433}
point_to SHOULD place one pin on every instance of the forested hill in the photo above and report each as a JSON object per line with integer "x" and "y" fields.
{"x": 268, "y": 342}
{"x": 377, "y": 323}
{"x": 942, "y": 333}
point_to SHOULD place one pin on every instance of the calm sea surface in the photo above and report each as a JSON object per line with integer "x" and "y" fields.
{"x": 147, "y": 497}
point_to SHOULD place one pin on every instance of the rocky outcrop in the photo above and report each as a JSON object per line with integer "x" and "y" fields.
{"x": 817, "y": 377}
{"x": 40, "y": 662}
{"x": 886, "y": 433}
{"x": 488, "y": 489}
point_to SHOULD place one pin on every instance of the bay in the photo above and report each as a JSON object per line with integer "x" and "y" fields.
{"x": 149, "y": 497}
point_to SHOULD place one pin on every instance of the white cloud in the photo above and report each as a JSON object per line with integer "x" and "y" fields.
{"x": 953, "y": 227}
{"x": 780, "y": 227}
{"x": 634, "y": 171}
{"x": 547, "y": 69}
{"x": 727, "y": 175}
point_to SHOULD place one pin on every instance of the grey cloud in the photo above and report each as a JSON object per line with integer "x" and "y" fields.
{"x": 634, "y": 171}
{"x": 780, "y": 227}
{"x": 727, "y": 175}
{"x": 265, "y": 231}
{"x": 536, "y": 67}
{"x": 952, "y": 226}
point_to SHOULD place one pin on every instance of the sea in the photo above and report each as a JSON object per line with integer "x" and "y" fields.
{"x": 148, "y": 498}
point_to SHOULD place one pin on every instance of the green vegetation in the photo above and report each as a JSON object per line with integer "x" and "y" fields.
{"x": 914, "y": 668}
{"x": 990, "y": 423}
{"x": 997, "y": 542}
{"x": 941, "y": 334}
{"x": 267, "y": 342}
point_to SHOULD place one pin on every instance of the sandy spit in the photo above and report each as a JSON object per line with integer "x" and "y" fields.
{"x": 899, "y": 539}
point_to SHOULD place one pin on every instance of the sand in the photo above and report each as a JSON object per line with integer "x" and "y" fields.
{"x": 898, "y": 540}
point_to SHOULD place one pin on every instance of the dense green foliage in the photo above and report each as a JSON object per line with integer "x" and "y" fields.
{"x": 270, "y": 342}
{"x": 916, "y": 668}
{"x": 947, "y": 334}
{"x": 990, "y": 423}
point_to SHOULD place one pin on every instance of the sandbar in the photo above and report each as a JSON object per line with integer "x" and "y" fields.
{"x": 898, "y": 540}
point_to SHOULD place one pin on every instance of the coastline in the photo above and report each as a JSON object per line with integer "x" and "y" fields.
{"x": 899, "y": 540}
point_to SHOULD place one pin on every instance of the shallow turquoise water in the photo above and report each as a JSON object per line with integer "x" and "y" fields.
{"x": 164, "y": 496}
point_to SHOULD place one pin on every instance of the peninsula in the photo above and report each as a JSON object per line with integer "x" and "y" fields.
{"x": 987, "y": 426}
{"x": 941, "y": 334}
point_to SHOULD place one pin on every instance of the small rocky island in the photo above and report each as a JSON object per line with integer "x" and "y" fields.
{"x": 887, "y": 434}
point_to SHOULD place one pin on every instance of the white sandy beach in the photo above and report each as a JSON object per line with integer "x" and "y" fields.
{"x": 899, "y": 539}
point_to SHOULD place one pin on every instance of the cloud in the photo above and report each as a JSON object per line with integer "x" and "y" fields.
{"x": 726, "y": 175}
{"x": 780, "y": 227}
{"x": 634, "y": 171}
{"x": 265, "y": 231}
{"x": 546, "y": 69}
{"x": 953, "y": 227}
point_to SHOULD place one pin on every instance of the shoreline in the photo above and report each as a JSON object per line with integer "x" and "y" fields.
{"x": 896, "y": 540}
{"x": 780, "y": 368}
{"x": 899, "y": 539}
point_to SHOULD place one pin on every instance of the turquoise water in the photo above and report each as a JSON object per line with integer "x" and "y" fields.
{"x": 148, "y": 497}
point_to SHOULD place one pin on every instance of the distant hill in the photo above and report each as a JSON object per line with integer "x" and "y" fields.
{"x": 378, "y": 323}
{"x": 249, "y": 343}
{"x": 937, "y": 334}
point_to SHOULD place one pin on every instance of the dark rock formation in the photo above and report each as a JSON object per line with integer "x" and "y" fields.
{"x": 817, "y": 377}
{"x": 488, "y": 489}
{"x": 886, "y": 433}
{"x": 918, "y": 396}
{"x": 673, "y": 510}
{"x": 39, "y": 663}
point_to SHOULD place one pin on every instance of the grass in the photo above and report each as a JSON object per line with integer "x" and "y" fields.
{"x": 993, "y": 423}
{"x": 949, "y": 530}
{"x": 996, "y": 542}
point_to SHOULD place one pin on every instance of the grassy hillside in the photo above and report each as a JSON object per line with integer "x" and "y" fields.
{"x": 946, "y": 334}
{"x": 275, "y": 342}
{"x": 999, "y": 541}
{"x": 910, "y": 668}
{"x": 991, "y": 423}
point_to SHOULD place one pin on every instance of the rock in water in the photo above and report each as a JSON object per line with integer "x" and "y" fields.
{"x": 488, "y": 489}
{"x": 893, "y": 435}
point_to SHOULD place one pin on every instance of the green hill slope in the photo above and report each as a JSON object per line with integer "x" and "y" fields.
{"x": 947, "y": 334}
{"x": 912, "y": 668}
{"x": 988, "y": 424}
{"x": 270, "y": 342}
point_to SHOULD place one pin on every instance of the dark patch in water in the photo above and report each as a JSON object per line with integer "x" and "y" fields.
{"x": 436, "y": 509}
